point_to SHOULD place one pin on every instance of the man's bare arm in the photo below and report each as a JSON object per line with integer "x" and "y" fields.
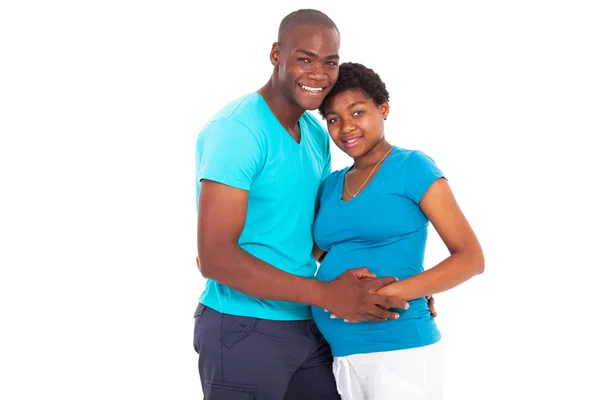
{"x": 221, "y": 217}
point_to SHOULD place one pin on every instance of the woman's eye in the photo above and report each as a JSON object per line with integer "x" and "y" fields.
{"x": 358, "y": 112}
{"x": 332, "y": 120}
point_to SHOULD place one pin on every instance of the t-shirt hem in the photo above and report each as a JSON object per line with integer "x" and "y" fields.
{"x": 343, "y": 352}
{"x": 248, "y": 310}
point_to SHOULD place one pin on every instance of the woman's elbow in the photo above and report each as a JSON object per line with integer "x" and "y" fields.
{"x": 478, "y": 263}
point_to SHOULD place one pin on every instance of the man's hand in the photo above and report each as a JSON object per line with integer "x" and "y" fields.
{"x": 431, "y": 304}
{"x": 352, "y": 296}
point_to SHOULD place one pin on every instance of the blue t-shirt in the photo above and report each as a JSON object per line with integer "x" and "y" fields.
{"x": 245, "y": 146}
{"x": 384, "y": 229}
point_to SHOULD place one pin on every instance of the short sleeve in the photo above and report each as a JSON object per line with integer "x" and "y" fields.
{"x": 228, "y": 152}
{"x": 420, "y": 173}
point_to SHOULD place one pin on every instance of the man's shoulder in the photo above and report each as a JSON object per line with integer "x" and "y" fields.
{"x": 243, "y": 114}
{"x": 241, "y": 109}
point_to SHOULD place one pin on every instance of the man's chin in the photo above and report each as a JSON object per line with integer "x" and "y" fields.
{"x": 310, "y": 105}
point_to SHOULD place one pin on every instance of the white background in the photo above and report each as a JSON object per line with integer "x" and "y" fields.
{"x": 100, "y": 106}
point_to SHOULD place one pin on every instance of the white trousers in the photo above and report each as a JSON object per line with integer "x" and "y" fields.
{"x": 411, "y": 374}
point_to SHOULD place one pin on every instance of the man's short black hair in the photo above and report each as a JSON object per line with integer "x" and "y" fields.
{"x": 305, "y": 16}
{"x": 355, "y": 76}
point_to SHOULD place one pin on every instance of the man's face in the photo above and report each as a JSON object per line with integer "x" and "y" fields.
{"x": 308, "y": 64}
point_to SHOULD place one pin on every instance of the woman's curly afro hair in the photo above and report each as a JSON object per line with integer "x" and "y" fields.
{"x": 355, "y": 76}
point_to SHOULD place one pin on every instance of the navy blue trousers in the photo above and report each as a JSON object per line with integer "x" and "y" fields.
{"x": 244, "y": 358}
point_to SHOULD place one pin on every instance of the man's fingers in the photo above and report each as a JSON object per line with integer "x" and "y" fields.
{"x": 375, "y": 315}
{"x": 378, "y": 283}
{"x": 431, "y": 304}
{"x": 379, "y": 314}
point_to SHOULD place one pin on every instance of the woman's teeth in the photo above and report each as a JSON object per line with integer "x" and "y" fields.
{"x": 352, "y": 142}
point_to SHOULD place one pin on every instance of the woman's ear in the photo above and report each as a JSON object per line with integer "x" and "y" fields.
{"x": 385, "y": 109}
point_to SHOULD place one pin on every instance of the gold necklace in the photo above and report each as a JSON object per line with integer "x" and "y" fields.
{"x": 363, "y": 184}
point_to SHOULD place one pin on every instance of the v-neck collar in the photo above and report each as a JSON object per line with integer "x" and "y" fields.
{"x": 339, "y": 190}
{"x": 301, "y": 123}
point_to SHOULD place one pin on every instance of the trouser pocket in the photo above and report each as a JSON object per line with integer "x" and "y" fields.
{"x": 236, "y": 329}
{"x": 228, "y": 391}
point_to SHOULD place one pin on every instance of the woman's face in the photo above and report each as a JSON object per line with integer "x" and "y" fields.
{"x": 355, "y": 122}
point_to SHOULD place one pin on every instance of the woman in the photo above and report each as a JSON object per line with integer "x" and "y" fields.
{"x": 375, "y": 214}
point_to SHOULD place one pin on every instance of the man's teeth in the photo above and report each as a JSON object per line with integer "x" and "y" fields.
{"x": 310, "y": 89}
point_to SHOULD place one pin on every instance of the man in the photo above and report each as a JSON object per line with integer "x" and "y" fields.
{"x": 260, "y": 161}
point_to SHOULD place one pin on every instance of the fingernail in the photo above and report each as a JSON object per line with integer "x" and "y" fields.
{"x": 345, "y": 320}
{"x": 406, "y": 306}
{"x": 396, "y": 316}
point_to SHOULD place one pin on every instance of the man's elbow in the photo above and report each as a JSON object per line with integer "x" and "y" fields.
{"x": 206, "y": 265}
{"x": 206, "y": 272}
{"x": 216, "y": 259}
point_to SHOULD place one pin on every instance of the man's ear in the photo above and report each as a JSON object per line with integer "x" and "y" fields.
{"x": 275, "y": 54}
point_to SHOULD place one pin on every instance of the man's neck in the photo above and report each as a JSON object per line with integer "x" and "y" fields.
{"x": 287, "y": 114}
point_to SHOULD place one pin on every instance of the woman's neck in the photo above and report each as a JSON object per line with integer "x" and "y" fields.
{"x": 371, "y": 158}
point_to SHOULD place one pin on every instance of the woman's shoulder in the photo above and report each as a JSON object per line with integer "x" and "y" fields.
{"x": 405, "y": 158}
{"x": 333, "y": 177}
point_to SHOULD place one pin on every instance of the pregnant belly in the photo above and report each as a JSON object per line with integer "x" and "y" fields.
{"x": 349, "y": 338}
{"x": 380, "y": 261}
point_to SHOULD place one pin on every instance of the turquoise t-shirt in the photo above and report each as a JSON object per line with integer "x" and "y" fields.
{"x": 384, "y": 229}
{"x": 245, "y": 146}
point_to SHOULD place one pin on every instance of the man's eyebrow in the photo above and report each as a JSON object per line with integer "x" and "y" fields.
{"x": 308, "y": 53}
{"x": 311, "y": 54}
